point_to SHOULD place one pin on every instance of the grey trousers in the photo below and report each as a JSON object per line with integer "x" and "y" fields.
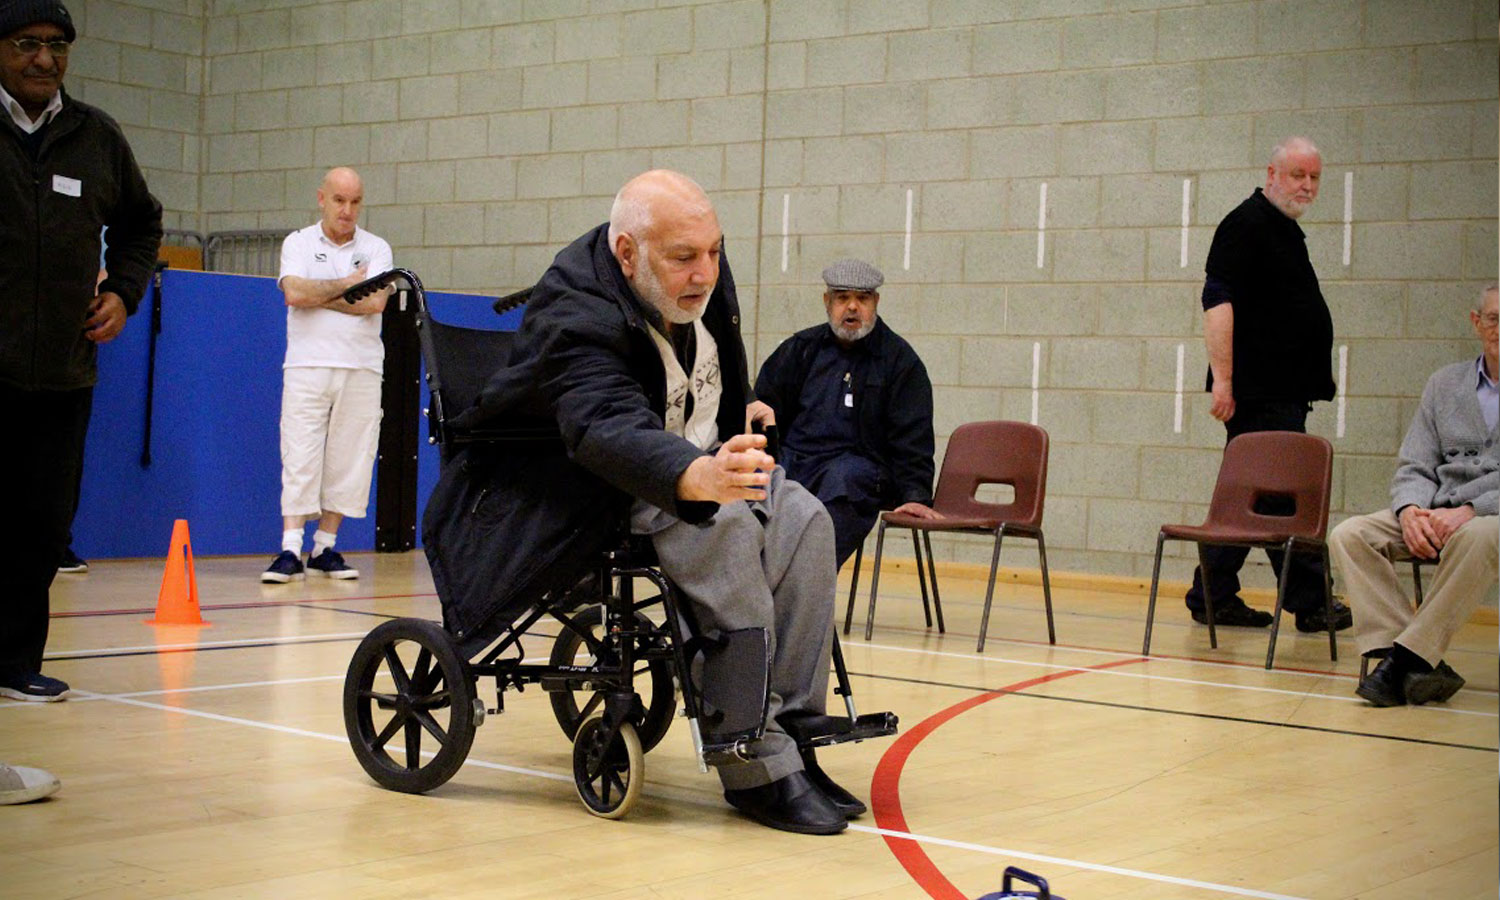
{"x": 769, "y": 565}
{"x": 1363, "y": 549}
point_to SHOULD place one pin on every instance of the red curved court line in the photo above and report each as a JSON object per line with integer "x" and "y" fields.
{"x": 885, "y": 787}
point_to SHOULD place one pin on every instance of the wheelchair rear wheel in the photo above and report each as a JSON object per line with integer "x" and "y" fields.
{"x": 608, "y": 768}
{"x": 652, "y": 681}
{"x": 424, "y": 691}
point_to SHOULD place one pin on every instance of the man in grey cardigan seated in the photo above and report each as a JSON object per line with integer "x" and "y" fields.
{"x": 1443, "y": 508}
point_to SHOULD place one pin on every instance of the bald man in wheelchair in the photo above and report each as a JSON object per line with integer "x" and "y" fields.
{"x": 631, "y": 344}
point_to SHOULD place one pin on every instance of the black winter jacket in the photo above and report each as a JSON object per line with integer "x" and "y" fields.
{"x": 508, "y": 523}
{"x": 893, "y": 404}
{"x": 50, "y": 259}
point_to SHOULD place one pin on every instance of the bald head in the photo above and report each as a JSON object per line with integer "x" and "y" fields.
{"x": 665, "y": 234}
{"x": 1294, "y": 175}
{"x": 341, "y": 197}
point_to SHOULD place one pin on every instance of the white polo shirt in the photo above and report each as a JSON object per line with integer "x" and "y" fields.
{"x": 324, "y": 337}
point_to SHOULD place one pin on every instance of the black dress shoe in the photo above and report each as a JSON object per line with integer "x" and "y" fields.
{"x": 1436, "y": 686}
{"x": 1382, "y": 687}
{"x": 848, "y": 805}
{"x": 1314, "y": 620}
{"x": 792, "y": 803}
{"x": 1235, "y": 612}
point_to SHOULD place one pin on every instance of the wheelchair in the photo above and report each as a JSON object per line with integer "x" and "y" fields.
{"x": 615, "y": 670}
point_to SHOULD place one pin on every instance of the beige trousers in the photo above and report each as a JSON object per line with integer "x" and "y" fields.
{"x": 1365, "y": 550}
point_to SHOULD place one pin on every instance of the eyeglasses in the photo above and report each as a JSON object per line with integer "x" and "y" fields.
{"x": 33, "y": 46}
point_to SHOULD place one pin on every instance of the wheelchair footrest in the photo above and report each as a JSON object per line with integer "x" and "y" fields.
{"x": 825, "y": 731}
{"x": 735, "y": 751}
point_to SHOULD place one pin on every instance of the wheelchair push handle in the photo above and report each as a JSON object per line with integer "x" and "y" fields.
{"x": 365, "y": 288}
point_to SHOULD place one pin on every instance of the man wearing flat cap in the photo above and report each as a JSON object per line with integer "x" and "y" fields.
{"x": 66, "y": 173}
{"x": 854, "y": 406}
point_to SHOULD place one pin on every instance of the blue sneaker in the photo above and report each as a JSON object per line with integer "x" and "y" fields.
{"x": 284, "y": 568}
{"x": 331, "y": 564}
{"x": 36, "y": 687}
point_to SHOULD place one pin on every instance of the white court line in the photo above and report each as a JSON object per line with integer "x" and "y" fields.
{"x": 1343, "y": 388}
{"x": 1036, "y": 376}
{"x": 906, "y": 254}
{"x": 1177, "y": 402}
{"x": 194, "y": 645}
{"x": 554, "y": 776}
{"x": 302, "y": 732}
{"x": 1348, "y": 212}
{"x": 1041, "y": 227}
{"x": 1187, "y": 192}
{"x": 1063, "y": 861}
{"x": 1145, "y": 676}
{"x": 786, "y": 227}
{"x": 921, "y": 651}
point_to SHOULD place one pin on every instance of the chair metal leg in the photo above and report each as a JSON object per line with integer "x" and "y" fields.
{"x": 916, "y": 550}
{"x": 937, "y": 601}
{"x": 1333, "y": 646}
{"x": 1151, "y": 602}
{"x": 1416, "y": 581}
{"x": 1041, "y": 549}
{"x": 874, "y": 583}
{"x": 1280, "y": 601}
{"x": 1208, "y": 599}
{"x": 859, "y": 553}
{"x": 989, "y": 594}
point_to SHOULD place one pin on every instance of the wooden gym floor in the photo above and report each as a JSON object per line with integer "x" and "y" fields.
{"x": 212, "y": 762}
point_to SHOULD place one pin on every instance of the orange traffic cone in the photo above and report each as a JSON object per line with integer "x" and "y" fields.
{"x": 177, "y": 604}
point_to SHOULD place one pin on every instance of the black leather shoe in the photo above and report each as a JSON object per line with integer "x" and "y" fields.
{"x": 792, "y": 803}
{"x": 1235, "y": 612}
{"x": 1313, "y": 620}
{"x": 1382, "y": 687}
{"x": 1436, "y": 686}
{"x": 848, "y": 805}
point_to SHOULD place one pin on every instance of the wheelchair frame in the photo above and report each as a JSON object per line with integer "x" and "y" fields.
{"x": 614, "y": 728}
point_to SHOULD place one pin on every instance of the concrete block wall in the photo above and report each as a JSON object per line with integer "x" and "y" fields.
{"x": 142, "y": 62}
{"x": 922, "y": 135}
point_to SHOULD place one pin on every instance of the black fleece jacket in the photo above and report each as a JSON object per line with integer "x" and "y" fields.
{"x": 82, "y": 178}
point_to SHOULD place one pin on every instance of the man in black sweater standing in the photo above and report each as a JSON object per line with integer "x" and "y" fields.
{"x": 1269, "y": 336}
{"x": 66, "y": 173}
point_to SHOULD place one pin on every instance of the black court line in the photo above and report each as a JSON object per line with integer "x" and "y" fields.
{"x": 1178, "y": 712}
{"x": 351, "y": 612}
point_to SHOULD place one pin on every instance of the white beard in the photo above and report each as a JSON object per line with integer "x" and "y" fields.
{"x": 648, "y": 287}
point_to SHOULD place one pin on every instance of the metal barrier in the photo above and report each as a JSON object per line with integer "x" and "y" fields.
{"x": 255, "y": 252}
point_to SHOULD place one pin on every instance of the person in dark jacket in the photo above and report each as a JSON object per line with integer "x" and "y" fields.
{"x": 630, "y": 344}
{"x": 854, "y": 407}
{"x": 1269, "y": 335}
{"x": 66, "y": 173}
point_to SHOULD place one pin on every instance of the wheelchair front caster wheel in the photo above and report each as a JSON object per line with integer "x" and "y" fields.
{"x": 409, "y": 706}
{"x": 608, "y": 767}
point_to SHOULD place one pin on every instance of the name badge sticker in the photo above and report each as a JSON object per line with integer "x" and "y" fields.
{"x": 68, "y": 187}
{"x": 849, "y": 401}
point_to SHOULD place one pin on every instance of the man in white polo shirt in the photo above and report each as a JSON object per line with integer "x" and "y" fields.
{"x": 330, "y": 398}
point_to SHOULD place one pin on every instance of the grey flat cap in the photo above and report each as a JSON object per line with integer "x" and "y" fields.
{"x": 853, "y": 275}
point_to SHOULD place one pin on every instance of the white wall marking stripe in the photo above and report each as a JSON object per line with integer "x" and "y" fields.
{"x": 1177, "y": 403}
{"x": 1036, "y": 376}
{"x": 1187, "y": 192}
{"x": 906, "y": 254}
{"x": 1348, "y": 212}
{"x": 1041, "y": 226}
{"x": 786, "y": 225}
{"x": 1343, "y": 389}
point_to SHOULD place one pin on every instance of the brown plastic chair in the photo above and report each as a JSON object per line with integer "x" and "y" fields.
{"x": 979, "y": 453}
{"x": 1257, "y": 466}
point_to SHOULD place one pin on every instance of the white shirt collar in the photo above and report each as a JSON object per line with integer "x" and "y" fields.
{"x": 22, "y": 120}
{"x": 323, "y": 236}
